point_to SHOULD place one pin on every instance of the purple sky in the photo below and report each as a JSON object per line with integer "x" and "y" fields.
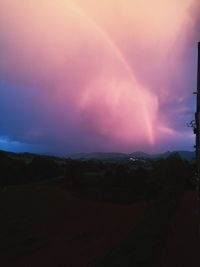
{"x": 83, "y": 76}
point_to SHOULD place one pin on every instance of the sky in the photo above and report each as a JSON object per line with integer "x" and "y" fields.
{"x": 104, "y": 75}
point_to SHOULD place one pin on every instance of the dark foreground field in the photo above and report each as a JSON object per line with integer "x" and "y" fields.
{"x": 43, "y": 225}
{"x": 182, "y": 247}
{"x": 57, "y": 212}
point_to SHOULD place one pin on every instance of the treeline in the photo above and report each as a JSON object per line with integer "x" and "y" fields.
{"x": 19, "y": 171}
{"x": 99, "y": 179}
{"x": 127, "y": 182}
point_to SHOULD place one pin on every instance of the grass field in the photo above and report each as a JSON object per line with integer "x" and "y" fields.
{"x": 44, "y": 225}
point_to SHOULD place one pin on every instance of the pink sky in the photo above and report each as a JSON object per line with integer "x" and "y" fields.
{"x": 84, "y": 75}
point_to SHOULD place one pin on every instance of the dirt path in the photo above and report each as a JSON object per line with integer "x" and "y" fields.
{"x": 182, "y": 247}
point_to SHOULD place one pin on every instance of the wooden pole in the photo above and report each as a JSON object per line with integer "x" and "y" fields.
{"x": 197, "y": 118}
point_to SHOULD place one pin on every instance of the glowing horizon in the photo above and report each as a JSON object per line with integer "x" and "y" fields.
{"x": 106, "y": 76}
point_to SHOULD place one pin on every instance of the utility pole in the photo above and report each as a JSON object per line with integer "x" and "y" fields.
{"x": 195, "y": 124}
{"x": 197, "y": 130}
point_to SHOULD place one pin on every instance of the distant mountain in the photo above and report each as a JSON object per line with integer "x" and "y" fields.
{"x": 107, "y": 156}
{"x": 187, "y": 155}
{"x": 150, "y": 156}
{"x": 27, "y": 156}
{"x": 99, "y": 155}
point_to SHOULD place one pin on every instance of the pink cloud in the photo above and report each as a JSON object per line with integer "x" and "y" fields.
{"x": 101, "y": 76}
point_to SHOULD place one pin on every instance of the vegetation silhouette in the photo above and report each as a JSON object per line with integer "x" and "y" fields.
{"x": 158, "y": 184}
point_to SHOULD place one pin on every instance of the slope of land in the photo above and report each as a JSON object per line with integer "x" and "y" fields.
{"x": 43, "y": 225}
{"x": 182, "y": 246}
{"x": 64, "y": 212}
{"x": 187, "y": 155}
{"x": 167, "y": 237}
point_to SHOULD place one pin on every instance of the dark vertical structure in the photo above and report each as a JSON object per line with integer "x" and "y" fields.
{"x": 197, "y": 129}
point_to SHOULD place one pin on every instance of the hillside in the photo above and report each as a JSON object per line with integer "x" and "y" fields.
{"x": 187, "y": 155}
{"x": 108, "y": 213}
